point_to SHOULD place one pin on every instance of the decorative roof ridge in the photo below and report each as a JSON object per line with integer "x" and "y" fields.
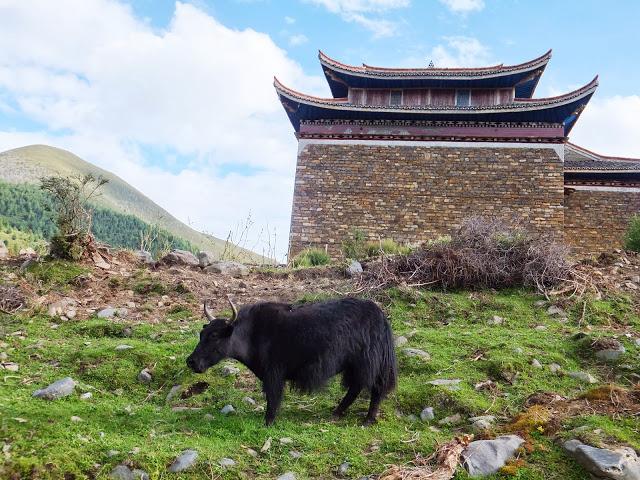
{"x": 280, "y": 86}
{"x": 541, "y": 60}
{"x": 591, "y": 85}
{"x": 598, "y": 156}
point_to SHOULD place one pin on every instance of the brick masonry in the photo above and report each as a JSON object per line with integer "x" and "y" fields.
{"x": 596, "y": 220}
{"x": 415, "y": 193}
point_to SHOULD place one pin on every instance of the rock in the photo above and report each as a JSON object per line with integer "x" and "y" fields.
{"x": 427, "y": 414}
{"x": 539, "y": 303}
{"x": 208, "y": 417}
{"x": 75, "y": 418}
{"x": 483, "y": 422}
{"x": 496, "y": 320}
{"x": 249, "y": 400}
{"x": 583, "y": 377}
{"x": 287, "y": 476}
{"x": 180, "y": 257}
{"x": 343, "y": 469}
{"x": 99, "y": 261}
{"x": 485, "y": 457}
{"x": 27, "y": 263}
{"x": 518, "y": 350}
{"x": 295, "y": 454}
{"x": 10, "y": 366}
{"x": 121, "y": 472}
{"x": 445, "y": 382}
{"x": 111, "y": 312}
{"x": 145, "y": 376}
{"x": 58, "y": 308}
{"x": 635, "y": 278}
{"x": 4, "y": 251}
{"x": 230, "y": 371}
{"x": 555, "y": 310}
{"x": 142, "y": 256}
{"x": 140, "y": 474}
{"x": 400, "y": 341}
{"x": 173, "y": 393}
{"x": 354, "y": 269}
{"x": 206, "y": 258}
{"x": 86, "y": 396}
{"x": 27, "y": 252}
{"x": 223, "y": 267}
{"x": 184, "y": 461}
{"x": 412, "y": 418}
{"x": 227, "y": 409}
{"x": 59, "y": 389}
{"x": 555, "y": 368}
{"x": 535, "y": 363}
{"x": 252, "y": 453}
{"x": 451, "y": 420}
{"x": 112, "y": 453}
{"x": 620, "y": 464}
{"x": 122, "y": 347}
{"x": 637, "y": 342}
{"x": 286, "y": 440}
{"x": 226, "y": 462}
{"x": 416, "y": 352}
{"x": 609, "y": 350}
{"x": 70, "y": 314}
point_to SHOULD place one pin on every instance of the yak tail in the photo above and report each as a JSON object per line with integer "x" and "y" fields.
{"x": 388, "y": 369}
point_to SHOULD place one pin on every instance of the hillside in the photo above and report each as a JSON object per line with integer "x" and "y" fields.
{"x": 28, "y": 164}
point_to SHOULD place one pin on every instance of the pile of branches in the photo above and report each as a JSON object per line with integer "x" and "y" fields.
{"x": 11, "y": 299}
{"x": 482, "y": 253}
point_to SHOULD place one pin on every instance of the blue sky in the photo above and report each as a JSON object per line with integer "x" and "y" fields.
{"x": 176, "y": 97}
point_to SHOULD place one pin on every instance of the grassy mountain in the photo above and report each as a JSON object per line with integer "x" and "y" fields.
{"x": 29, "y": 164}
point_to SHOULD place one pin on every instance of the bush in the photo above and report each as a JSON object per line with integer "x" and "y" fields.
{"x": 312, "y": 257}
{"x": 386, "y": 246}
{"x": 355, "y": 247}
{"x": 632, "y": 237}
{"x": 483, "y": 253}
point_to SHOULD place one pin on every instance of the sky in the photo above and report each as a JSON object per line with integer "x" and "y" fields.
{"x": 177, "y": 98}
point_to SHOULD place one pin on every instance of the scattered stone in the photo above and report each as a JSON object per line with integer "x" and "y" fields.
{"x": 226, "y": 462}
{"x": 145, "y": 376}
{"x": 295, "y": 454}
{"x": 75, "y": 419}
{"x": 208, "y": 417}
{"x": 583, "y": 377}
{"x": 249, "y": 400}
{"x": 496, "y": 320}
{"x": 535, "y": 363}
{"x": 635, "y": 278}
{"x": 287, "y": 476}
{"x": 122, "y": 347}
{"x": 230, "y": 371}
{"x": 354, "y": 269}
{"x": 142, "y": 256}
{"x": 427, "y": 414}
{"x": 451, "y": 420}
{"x": 233, "y": 269}
{"x": 10, "y": 366}
{"x": 184, "y": 461}
{"x": 445, "y": 382}
{"x": 173, "y": 393}
{"x": 58, "y": 308}
{"x": 4, "y": 251}
{"x": 518, "y": 350}
{"x": 400, "y": 341}
{"x": 111, "y": 312}
{"x": 286, "y": 440}
{"x": 608, "y": 349}
{"x": 140, "y": 474}
{"x": 555, "y": 368}
{"x": 59, "y": 389}
{"x": 206, "y": 258}
{"x": 541, "y": 328}
{"x": 227, "y": 409}
{"x": 620, "y": 464}
{"x": 555, "y": 310}
{"x": 539, "y": 303}
{"x": 637, "y": 342}
{"x": 485, "y": 457}
{"x": 416, "y": 352}
{"x": 412, "y": 418}
{"x": 121, "y": 472}
{"x": 99, "y": 261}
{"x": 266, "y": 446}
{"x": 180, "y": 257}
{"x": 482, "y": 423}
{"x": 251, "y": 452}
{"x": 343, "y": 469}
{"x": 112, "y": 453}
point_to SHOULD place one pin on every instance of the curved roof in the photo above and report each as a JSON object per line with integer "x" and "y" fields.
{"x": 579, "y": 159}
{"x": 563, "y": 109}
{"x": 342, "y": 76}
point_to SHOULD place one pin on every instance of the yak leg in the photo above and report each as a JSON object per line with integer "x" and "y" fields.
{"x": 374, "y": 406}
{"x": 349, "y": 398}
{"x": 273, "y": 388}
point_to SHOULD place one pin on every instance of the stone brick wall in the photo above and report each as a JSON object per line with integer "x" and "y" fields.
{"x": 596, "y": 220}
{"x": 415, "y": 193}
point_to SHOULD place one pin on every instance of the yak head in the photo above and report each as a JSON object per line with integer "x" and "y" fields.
{"x": 214, "y": 343}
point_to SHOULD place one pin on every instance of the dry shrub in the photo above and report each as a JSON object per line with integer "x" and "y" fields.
{"x": 483, "y": 253}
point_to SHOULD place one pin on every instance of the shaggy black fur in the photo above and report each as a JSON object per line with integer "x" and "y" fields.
{"x": 306, "y": 345}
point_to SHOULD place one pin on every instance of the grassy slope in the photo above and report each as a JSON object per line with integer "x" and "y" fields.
{"x": 29, "y": 164}
{"x": 124, "y": 414}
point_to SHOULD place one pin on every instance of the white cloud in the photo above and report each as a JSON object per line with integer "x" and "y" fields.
{"x": 289, "y": 20}
{"x": 299, "y": 39}
{"x": 610, "y": 126}
{"x": 463, "y": 6}
{"x": 460, "y": 51}
{"x": 108, "y": 87}
{"x": 358, "y": 11}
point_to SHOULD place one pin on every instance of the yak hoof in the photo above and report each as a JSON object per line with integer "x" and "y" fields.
{"x": 269, "y": 421}
{"x": 369, "y": 421}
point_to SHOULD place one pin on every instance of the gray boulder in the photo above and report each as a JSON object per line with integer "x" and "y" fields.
{"x": 400, "y": 341}
{"x": 121, "y": 472}
{"x": 583, "y": 377}
{"x": 227, "y": 409}
{"x": 184, "y": 461}
{"x": 354, "y": 269}
{"x": 145, "y": 376}
{"x": 59, "y": 307}
{"x": 620, "y": 464}
{"x": 111, "y": 312}
{"x": 611, "y": 351}
{"x": 287, "y": 476}
{"x": 230, "y": 371}
{"x": 485, "y": 457}
{"x": 226, "y": 462}
{"x": 233, "y": 269}
{"x": 144, "y": 257}
{"x": 180, "y": 257}
{"x": 427, "y": 414}
{"x": 416, "y": 352}
{"x": 59, "y": 389}
{"x": 4, "y": 251}
{"x": 206, "y": 258}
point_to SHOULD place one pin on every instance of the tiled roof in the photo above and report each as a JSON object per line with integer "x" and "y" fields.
{"x": 578, "y": 159}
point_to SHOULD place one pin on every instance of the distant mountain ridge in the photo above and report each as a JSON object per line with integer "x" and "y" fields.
{"x": 29, "y": 164}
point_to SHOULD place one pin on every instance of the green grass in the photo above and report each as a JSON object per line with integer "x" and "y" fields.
{"x": 124, "y": 414}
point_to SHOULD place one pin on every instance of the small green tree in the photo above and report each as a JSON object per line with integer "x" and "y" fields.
{"x": 311, "y": 257}
{"x": 632, "y": 237}
{"x": 72, "y": 212}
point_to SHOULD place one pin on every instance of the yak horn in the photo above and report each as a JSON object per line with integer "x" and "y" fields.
{"x": 233, "y": 307}
{"x": 207, "y": 313}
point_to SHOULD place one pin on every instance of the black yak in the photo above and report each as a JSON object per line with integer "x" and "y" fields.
{"x": 305, "y": 345}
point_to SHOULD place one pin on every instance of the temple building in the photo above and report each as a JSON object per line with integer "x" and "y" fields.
{"x": 408, "y": 154}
